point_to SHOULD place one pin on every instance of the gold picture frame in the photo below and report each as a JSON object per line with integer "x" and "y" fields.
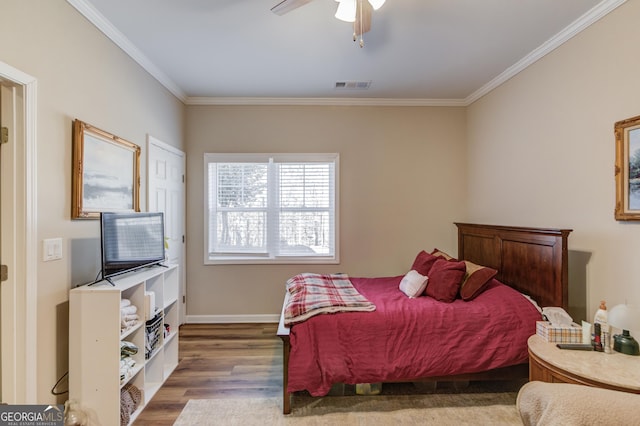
{"x": 627, "y": 169}
{"x": 106, "y": 173}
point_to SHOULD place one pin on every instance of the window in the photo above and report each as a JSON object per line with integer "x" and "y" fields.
{"x": 271, "y": 208}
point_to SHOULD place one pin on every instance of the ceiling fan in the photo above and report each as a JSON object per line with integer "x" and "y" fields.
{"x": 356, "y": 11}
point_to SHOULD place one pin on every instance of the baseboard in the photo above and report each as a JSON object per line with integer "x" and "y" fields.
{"x": 230, "y": 319}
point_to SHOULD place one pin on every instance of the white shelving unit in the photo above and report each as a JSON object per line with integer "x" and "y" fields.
{"x": 95, "y": 336}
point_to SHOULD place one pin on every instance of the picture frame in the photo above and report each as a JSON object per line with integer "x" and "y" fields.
{"x": 106, "y": 173}
{"x": 627, "y": 169}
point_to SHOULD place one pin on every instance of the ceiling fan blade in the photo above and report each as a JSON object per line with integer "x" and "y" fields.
{"x": 286, "y": 6}
{"x": 363, "y": 17}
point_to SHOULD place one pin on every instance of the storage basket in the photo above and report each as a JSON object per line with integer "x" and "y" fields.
{"x": 153, "y": 333}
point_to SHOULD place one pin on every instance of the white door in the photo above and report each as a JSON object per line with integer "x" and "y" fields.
{"x": 166, "y": 193}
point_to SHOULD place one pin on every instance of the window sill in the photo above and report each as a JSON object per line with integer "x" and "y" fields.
{"x": 271, "y": 261}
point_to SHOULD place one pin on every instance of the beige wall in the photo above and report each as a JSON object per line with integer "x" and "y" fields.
{"x": 402, "y": 184}
{"x": 541, "y": 151}
{"x": 81, "y": 74}
{"x": 537, "y": 151}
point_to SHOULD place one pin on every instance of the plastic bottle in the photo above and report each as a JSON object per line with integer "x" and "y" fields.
{"x": 597, "y": 343}
{"x": 601, "y": 318}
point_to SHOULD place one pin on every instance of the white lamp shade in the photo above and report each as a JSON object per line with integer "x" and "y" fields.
{"x": 624, "y": 317}
{"x": 377, "y": 4}
{"x": 346, "y": 10}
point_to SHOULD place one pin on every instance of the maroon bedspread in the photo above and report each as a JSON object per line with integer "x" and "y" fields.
{"x": 410, "y": 338}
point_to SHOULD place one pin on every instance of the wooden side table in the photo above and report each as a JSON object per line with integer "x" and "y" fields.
{"x": 617, "y": 371}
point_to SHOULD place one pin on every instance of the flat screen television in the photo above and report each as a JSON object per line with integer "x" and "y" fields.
{"x": 130, "y": 241}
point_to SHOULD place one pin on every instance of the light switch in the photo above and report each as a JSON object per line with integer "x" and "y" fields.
{"x": 51, "y": 249}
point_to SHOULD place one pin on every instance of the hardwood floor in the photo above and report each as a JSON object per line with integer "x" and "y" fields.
{"x": 219, "y": 361}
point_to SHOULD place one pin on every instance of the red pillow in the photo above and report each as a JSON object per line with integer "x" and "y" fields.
{"x": 445, "y": 278}
{"x": 475, "y": 280}
{"x": 423, "y": 263}
{"x": 439, "y": 253}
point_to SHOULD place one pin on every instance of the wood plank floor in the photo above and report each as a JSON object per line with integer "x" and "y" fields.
{"x": 219, "y": 361}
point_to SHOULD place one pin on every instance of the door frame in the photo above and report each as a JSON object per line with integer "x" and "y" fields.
{"x": 21, "y": 386}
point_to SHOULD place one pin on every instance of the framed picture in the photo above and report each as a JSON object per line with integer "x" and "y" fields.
{"x": 627, "y": 169}
{"x": 106, "y": 173}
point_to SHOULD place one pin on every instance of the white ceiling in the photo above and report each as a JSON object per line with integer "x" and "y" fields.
{"x": 422, "y": 52}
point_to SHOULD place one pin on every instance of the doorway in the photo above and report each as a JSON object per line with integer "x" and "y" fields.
{"x": 166, "y": 193}
{"x": 18, "y": 243}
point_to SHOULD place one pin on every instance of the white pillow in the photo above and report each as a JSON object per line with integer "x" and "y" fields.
{"x": 413, "y": 284}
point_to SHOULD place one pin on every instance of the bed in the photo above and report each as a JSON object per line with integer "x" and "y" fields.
{"x": 425, "y": 339}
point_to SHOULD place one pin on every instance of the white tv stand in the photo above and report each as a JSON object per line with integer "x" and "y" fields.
{"x": 95, "y": 336}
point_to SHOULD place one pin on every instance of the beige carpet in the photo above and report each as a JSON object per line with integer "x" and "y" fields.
{"x": 437, "y": 409}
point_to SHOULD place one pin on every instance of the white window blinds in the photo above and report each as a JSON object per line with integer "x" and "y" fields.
{"x": 271, "y": 208}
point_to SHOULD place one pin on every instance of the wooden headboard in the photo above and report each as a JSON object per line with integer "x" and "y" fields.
{"x": 531, "y": 260}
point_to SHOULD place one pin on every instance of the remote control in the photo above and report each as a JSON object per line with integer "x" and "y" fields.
{"x": 576, "y": 346}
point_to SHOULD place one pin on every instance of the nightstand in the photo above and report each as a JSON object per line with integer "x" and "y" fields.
{"x": 613, "y": 370}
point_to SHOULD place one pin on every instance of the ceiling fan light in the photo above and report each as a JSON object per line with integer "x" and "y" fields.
{"x": 376, "y": 4}
{"x": 346, "y": 10}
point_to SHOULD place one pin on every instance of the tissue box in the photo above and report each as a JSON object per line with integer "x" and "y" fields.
{"x": 562, "y": 334}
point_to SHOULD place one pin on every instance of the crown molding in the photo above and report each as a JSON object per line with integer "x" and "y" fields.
{"x": 324, "y": 101}
{"x": 593, "y": 15}
{"x": 97, "y": 19}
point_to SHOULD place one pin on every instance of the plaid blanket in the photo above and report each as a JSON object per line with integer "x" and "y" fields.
{"x": 313, "y": 294}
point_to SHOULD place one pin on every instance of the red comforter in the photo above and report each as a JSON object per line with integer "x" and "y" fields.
{"x": 410, "y": 338}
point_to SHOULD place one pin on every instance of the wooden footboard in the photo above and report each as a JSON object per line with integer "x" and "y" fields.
{"x": 531, "y": 260}
{"x": 283, "y": 333}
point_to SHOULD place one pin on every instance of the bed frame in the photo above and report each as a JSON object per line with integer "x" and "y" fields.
{"x": 531, "y": 260}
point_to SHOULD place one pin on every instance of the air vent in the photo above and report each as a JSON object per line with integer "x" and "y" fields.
{"x": 353, "y": 85}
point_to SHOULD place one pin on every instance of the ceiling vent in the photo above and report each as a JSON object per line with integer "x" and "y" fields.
{"x": 353, "y": 85}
